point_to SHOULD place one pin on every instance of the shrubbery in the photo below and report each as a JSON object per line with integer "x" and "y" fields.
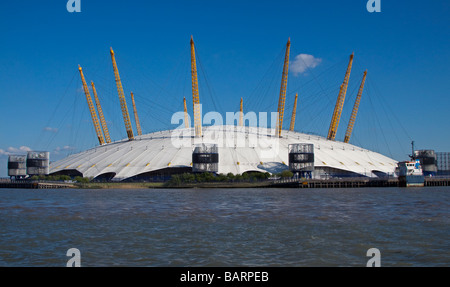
{"x": 82, "y": 179}
{"x": 178, "y": 179}
{"x": 286, "y": 174}
{"x": 59, "y": 178}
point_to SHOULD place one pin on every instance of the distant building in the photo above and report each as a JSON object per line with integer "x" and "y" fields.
{"x": 33, "y": 163}
{"x": 38, "y": 163}
{"x": 17, "y": 166}
{"x": 427, "y": 161}
{"x": 443, "y": 163}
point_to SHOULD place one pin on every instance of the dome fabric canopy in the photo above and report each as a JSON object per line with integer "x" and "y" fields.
{"x": 241, "y": 149}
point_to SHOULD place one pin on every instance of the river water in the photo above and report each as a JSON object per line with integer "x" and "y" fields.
{"x": 225, "y": 227}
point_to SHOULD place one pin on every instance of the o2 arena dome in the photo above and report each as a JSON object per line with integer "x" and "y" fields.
{"x": 222, "y": 148}
{"x": 237, "y": 150}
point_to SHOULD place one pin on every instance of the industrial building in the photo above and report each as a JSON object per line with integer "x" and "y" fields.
{"x": 17, "y": 166}
{"x": 443, "y": 163}
{"x": 222, "y": 148}
{"x": 34, "y": 163}
{"x": 428, "y": 161}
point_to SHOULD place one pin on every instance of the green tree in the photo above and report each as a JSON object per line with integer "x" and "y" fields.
{"x": 187, "y": 177}
{"x": 199, "y": 177}
{"x": 222, "y": 177}
{"x": 81, "y": 179}
{"x": 64, "y": 177}
{"x": 209, "y": 176}
{"x": 175, "y": 180}
{"x": 230, "y": 176}
{"x": 286, "y": 174}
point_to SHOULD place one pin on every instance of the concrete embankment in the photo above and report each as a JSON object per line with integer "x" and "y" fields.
{"x": 35, "y": 184}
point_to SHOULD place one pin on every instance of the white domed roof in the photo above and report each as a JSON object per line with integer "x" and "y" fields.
{"x": 241, "y": 149}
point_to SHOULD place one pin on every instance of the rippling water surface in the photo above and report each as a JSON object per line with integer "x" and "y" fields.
{"x": 225, "y": 227}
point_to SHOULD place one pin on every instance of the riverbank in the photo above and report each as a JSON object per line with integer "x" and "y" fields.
{"x": 145, "y": 185}
{"x": 119, "y": 185}
{"x": 129, "y": 185}
{"x": 282, "y": 183}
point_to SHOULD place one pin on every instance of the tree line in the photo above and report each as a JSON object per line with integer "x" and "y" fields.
{"x": 178, "y": 179}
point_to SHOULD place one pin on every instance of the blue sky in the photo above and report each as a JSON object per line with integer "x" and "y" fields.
{"x": 240, "y": 46}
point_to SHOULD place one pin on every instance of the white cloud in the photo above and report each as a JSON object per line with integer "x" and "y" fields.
{"x": 21, "y": 149}
{"x": 50, "y": 129}
{"x": 13, "y": 150}
{"x": 302, "y": 62}
{"x": 66, "y": 147}
{"x": 59, "y": 149}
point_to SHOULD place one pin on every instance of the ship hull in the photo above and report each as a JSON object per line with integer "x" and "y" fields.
{"x": 412, "y": 181}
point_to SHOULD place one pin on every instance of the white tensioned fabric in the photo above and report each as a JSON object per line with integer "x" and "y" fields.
{"x": 241, "y": 149}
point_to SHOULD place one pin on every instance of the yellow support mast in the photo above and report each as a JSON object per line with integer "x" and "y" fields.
{"x": 282, "y": 98}
{"x": 186, "y": 117}
{"x": 241, "y": 115}
{"x": 340, "y": 103}
{"x": 352, "y": 120}
{"x": 94, "y": 117}
{"x": 294, "y": 112}
{"x": 136, "y": 118}
{"x": 123, "y": 102}
{"x": 100, "y": 113}
{"x": 195, "y": 94}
